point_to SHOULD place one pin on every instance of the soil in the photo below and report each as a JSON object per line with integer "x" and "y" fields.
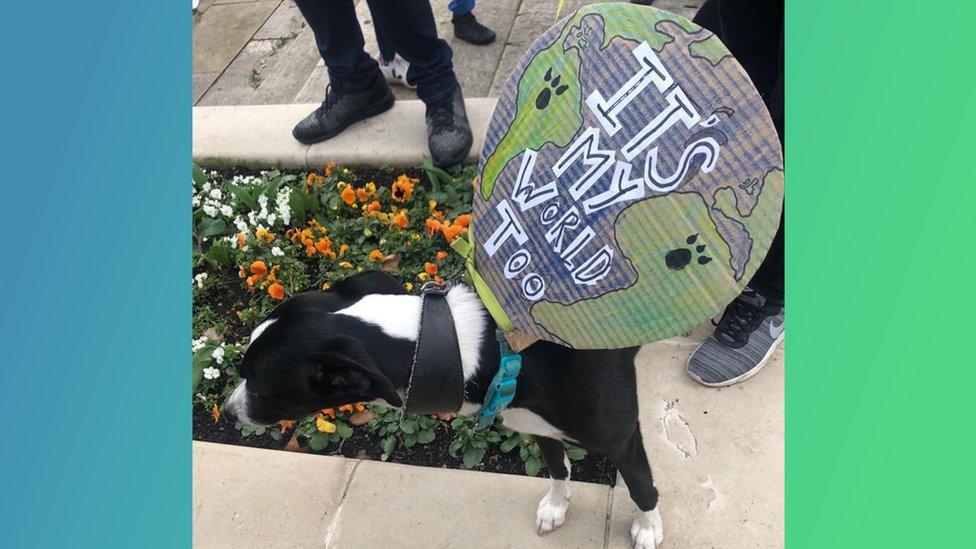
{"x": 362, "y": 445}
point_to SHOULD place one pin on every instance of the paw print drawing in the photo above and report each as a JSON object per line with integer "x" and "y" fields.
{"x": 542, "y": 100}
{"x": 679, "y": 258}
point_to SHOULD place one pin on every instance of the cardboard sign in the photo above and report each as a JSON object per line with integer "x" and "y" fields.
{"x": 630, "y": 184}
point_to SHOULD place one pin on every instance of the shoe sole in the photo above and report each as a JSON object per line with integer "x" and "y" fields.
{"x": 455, "y": 160}
{"x": 379, "y": 107}
{"x": 743, "y": 377}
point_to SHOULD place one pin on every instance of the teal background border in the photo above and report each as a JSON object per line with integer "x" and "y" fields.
{"x": 95, "y": 103}
{"x": 880, "y": 204}
{"x": 95, "y": 328}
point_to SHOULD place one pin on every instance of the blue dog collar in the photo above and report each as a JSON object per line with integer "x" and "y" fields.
{"x": 501, "y": 392}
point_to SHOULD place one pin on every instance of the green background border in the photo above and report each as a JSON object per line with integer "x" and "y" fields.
{"x": 95, "y": 329}
{"x": 880, "y": 208}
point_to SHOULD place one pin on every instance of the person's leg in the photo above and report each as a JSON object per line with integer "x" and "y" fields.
{"x": 340, "y": 43}
{"x": 393, "y": 67}
{"x": 356, "y": 89}
{"x": 753, "y": 324}
{"x": 466, "y": 27}
{"x": 409, "y": 26}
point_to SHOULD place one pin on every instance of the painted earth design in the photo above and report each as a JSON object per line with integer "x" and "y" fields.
{"x": 680, "y": 255}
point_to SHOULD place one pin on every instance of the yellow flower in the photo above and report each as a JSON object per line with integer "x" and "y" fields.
{"x": 324, "y": 426}
{"x": 343, "y": 249}
{"x": 408, "y": 286}
{"x": 325, "y": 286}
{"x": 345, "y": 265}
{"x": 422, "y": 277}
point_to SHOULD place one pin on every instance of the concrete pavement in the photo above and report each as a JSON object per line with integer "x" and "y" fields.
{"x": 258, "y": 52}
{"x": 717, "y": 457}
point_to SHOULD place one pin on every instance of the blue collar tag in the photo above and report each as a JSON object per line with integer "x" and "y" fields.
{"x": 501, "y": 392}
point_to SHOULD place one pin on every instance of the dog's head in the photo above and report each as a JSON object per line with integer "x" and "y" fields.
{"x": 304, "y": 358}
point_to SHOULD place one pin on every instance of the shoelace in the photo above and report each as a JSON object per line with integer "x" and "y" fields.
{"x": 740, "y": 319}
{"x": 330, "y": 98}
{"x": 442, "y": 114}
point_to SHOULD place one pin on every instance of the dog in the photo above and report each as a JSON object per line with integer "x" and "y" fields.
{"x": 356, "y": 343}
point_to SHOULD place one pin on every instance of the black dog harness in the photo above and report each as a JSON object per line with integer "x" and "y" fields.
{"x": 436, "y": 381}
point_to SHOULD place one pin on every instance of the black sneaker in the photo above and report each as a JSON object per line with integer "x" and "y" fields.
{"x": 340, "y": 110}
{"x": 467, "y": 28}
{"x": 742, "y": 343}
{"x": 448, "y": 133}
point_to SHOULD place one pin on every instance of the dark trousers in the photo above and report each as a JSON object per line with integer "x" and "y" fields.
{"x": 408, "y": 26}
{"x": 753, "y": 32}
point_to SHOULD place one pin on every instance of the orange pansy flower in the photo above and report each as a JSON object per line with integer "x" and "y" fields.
{"x": 348, "y": 195}
{"x": 401, "y": 220}
{"x": 463, "y": 220}
{"x": 430, "y": 268}
{"x": 441, "y": 255}
{"x": 259, "y": 268}
{"x": 277, "y": 291}
{"x": 376, "y": 255}
{"x": 403, "y": 188}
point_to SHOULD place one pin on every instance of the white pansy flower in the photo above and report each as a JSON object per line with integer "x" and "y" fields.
{"x": 227, "y": 211}
{"x": 216, "y": 194}
{"x": 276, "y": 251}
{"x": 240, "y": 224}
{"x": 196, "y": 201}
{"x": 210, "y": 210}
{"x": 211, "y": 373}
{"x": 206, "y": 186}
{"x": 199, "y": 344}
{"x": 199, "y": 279}
{"x": 218, "y": 354}
{"x": 271, "y": 219}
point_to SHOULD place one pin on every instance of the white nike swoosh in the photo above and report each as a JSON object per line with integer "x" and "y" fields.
{"x": 775, "y": 331}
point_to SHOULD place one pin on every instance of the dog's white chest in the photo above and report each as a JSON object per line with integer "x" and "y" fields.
{"x": 530, "y": 423}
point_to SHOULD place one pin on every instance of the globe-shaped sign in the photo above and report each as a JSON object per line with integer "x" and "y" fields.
{"x": 630, "y": 184}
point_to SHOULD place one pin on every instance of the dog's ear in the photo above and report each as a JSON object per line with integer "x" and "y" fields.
{"x": 372, "y": 282}
{"x": 345, "y": 366}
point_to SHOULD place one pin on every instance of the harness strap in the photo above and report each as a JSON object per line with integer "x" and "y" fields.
{"x": 465, "y": 248}
{"x": 436, "y": 381}
{"x": 501, "y": 391}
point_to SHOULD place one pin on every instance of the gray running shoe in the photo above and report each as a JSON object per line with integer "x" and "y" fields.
{"x": 743, "y": 341}
{"x": 340, "y": 110}
{"x": 448, "y": 133}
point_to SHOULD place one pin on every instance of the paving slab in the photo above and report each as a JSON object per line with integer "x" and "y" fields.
{"x": 404, "y": 506}
{"x": 260, "y": 136}
{"x": 266, "y": 71}
{"x": 717, "y": 454}
{"x": 223, "y": 31}
{"x": 285, "y": 22}
{"x": 247, "y": 497}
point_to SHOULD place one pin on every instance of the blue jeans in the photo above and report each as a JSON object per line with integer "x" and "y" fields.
{"x": 461, "y": 7}
{"x": 387, "y": 51}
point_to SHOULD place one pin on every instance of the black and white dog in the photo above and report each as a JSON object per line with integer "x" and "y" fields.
{"x": 355, "y": 344}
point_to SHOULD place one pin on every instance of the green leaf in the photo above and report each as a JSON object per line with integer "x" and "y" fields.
{"x": 492, "y": 436}
{"x": 275, "y": 434}
{"x": 508, "y": 444}
{"x": 243, "y": 196}
{"x": 473, "y": 456}
{"x": 318, "y": 441}
{"x": 408, "y": 426}
{"x": 216, "y": 227}
{"x": 426, "y": 436}
{"x": 533, "y": 466}
{"x": 575, "y": 453}
{"x": 198, "y": 176}
{"x": 260, "y": 430}
{"x": 219, "y": 255}
{"x": 343, "y": 430}
{"x": 389, "y": 444}
{"x": 298, "y": 207}
{"x": 409, "y": 440}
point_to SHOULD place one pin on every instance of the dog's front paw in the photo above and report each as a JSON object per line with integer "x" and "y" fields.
{"x": 647, "y": 532}
{"x": 552, "y": 509}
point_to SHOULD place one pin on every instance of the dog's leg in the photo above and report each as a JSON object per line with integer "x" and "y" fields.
{"x": 552, "y": 508}
{"x": 647, "y": 531}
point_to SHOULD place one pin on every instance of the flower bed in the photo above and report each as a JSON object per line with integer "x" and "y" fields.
{"x": 261, "y": 237}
